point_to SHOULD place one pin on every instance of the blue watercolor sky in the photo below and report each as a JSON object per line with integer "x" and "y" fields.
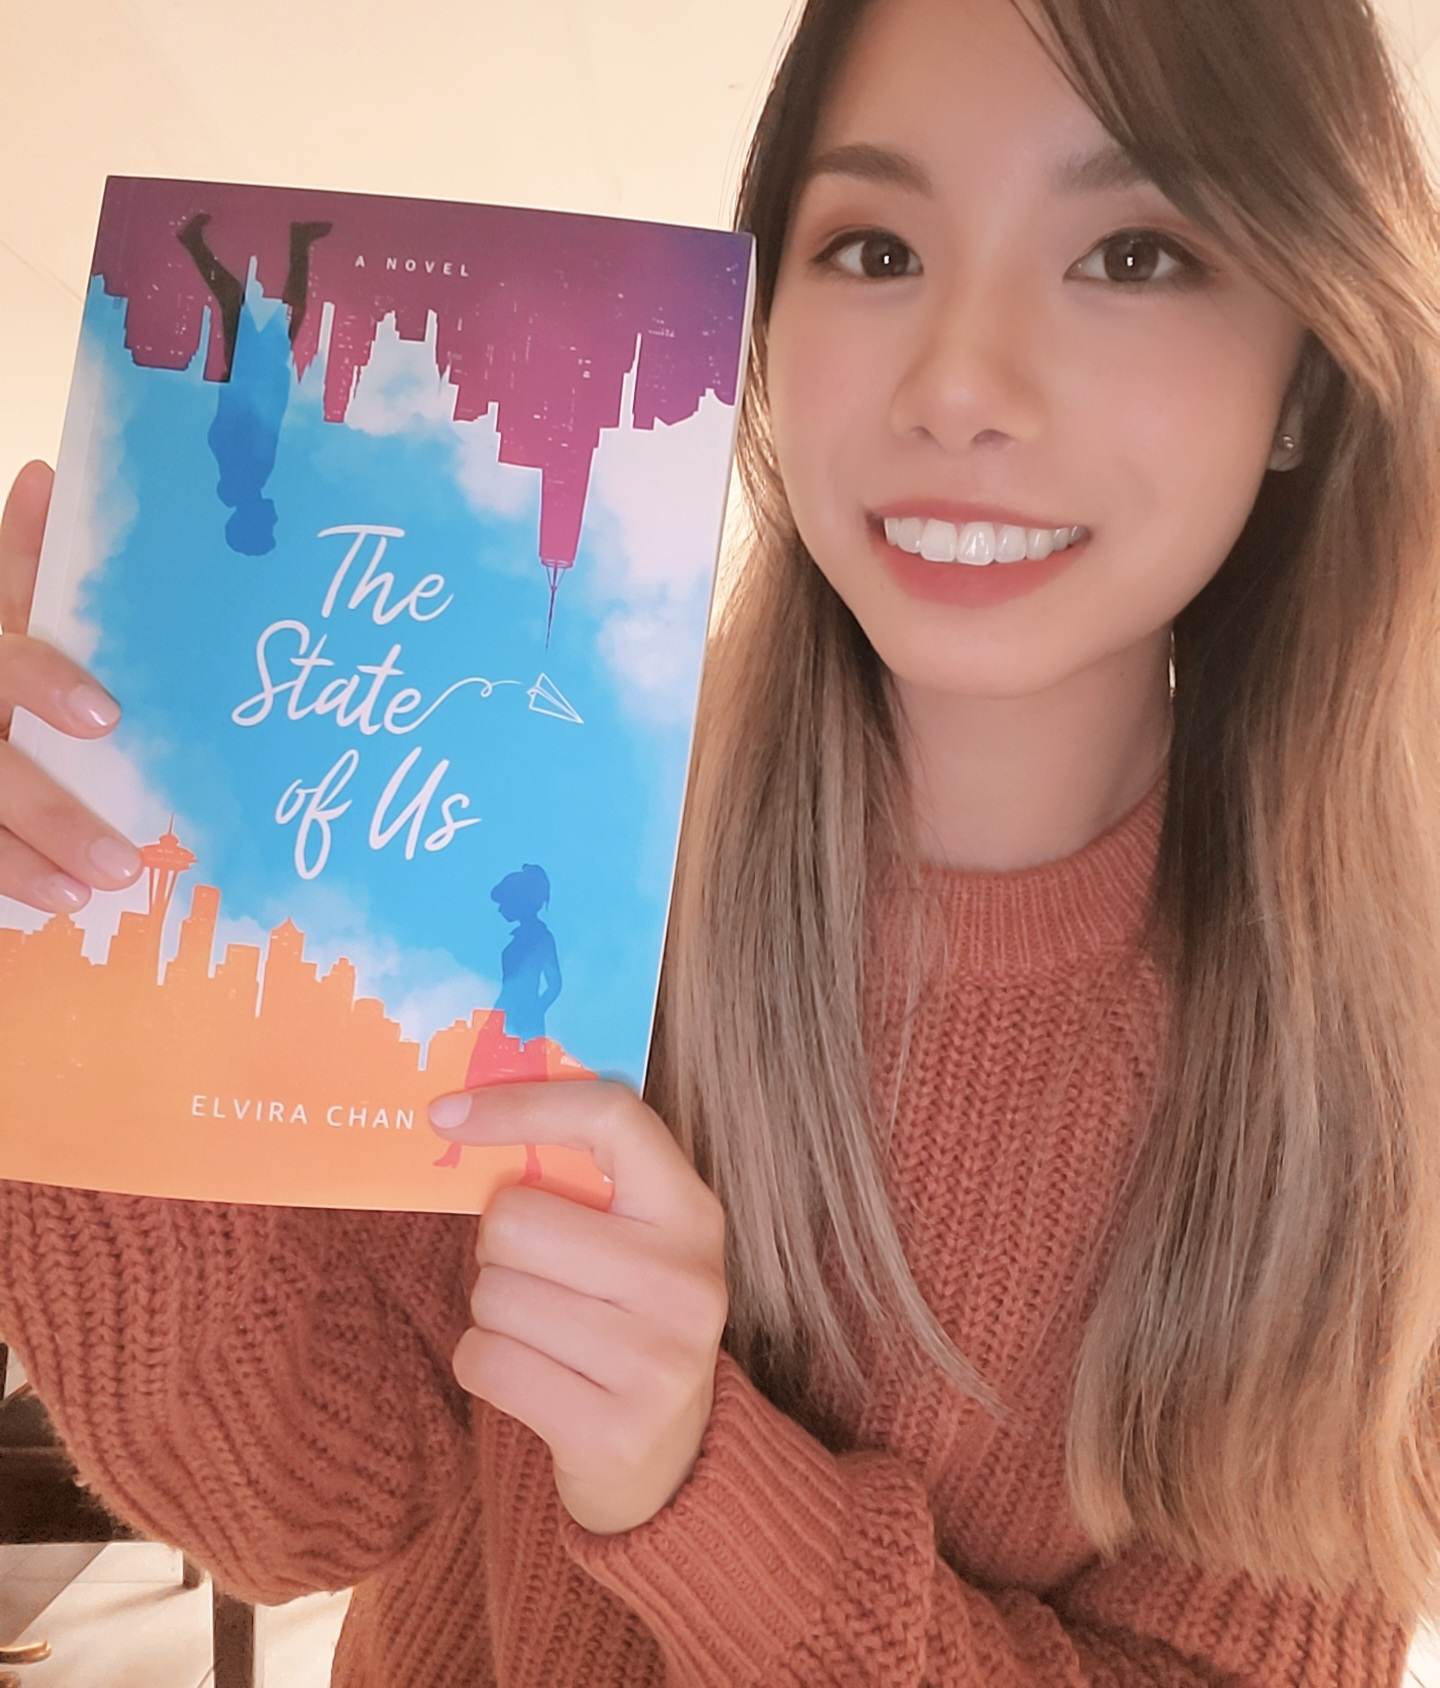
{"x": 179, "y": 611}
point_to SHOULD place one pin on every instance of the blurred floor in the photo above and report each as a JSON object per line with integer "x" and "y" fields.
{"x": 125, "y": 1621}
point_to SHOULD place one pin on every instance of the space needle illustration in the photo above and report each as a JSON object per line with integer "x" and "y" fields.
{"x": 165, "y": 860}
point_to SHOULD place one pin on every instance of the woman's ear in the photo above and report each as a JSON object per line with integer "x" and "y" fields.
{"x": 1314, "y": 369}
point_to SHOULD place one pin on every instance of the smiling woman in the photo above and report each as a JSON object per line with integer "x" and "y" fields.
{"x": 1113, "y": 267}
{"x": 1125, "y": 381}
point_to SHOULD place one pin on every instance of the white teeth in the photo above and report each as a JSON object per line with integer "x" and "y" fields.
{"x": 976, "y": 543}
{"x": 937, "y": 542}
{"x": 1010, "y": 543}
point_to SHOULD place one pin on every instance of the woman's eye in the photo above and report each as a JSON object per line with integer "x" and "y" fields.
{"x": 1131, "y": 267}
{"x": 865, "y": 239}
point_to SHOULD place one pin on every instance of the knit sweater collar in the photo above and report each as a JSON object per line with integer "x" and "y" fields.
{"x": 1059, "y": 912}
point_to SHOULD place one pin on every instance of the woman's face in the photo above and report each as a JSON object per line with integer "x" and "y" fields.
{"x": 989, "y": 345}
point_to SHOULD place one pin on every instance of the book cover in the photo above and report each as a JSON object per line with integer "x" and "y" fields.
{"x": 393, "y": 525}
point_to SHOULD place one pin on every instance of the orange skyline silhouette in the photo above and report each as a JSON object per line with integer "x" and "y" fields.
{"x": 238, "y": 1085}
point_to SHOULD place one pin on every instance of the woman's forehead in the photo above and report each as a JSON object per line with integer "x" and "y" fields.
{"x": 961, "y": 81}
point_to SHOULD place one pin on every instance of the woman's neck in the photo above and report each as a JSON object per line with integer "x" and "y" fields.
{"x": 1006, "y": 783}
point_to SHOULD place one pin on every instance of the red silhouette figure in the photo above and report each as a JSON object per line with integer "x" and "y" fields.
{"x": 495, "y": 1058}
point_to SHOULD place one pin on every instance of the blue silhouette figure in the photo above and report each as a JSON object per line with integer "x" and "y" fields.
{"x": 518, "y": 1016}
{"x": 255, "y": 388}
{"x": 530, "y": 954}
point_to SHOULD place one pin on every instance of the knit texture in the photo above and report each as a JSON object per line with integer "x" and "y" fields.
{"x": 270, "y": 1389}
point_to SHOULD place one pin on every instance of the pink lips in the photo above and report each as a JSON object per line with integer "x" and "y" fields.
{"x": 947, "y": 510}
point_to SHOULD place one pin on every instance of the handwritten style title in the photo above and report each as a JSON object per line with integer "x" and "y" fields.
{"x": 356, "y": 704}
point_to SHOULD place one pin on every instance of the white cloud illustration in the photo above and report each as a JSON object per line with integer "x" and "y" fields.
{"x": 400, "y": 390}
{"x": 424, "y": 990}
{"x": 658, "y": 500}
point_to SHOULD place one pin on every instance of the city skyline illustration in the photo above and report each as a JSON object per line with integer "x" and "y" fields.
{"x": 259, "y": 1063}
{"x": 540, "y": 314}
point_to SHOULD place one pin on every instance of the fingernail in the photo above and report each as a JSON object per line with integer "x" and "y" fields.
{"x": 114, "y": 858}
{"x": 67, "y": 892}
{"x": 96, "y": 708}
{"x": 449, "y": 1111}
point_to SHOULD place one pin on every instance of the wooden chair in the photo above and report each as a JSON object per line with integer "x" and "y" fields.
{"x": 41, "y": 1503}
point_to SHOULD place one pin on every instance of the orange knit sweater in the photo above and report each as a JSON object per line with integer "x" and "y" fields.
{"x": 270, "y": 1389}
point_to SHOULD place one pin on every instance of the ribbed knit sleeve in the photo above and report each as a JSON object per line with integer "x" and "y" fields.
{"x": 239, "y": 1381}
{"x": 779, "y": 1562}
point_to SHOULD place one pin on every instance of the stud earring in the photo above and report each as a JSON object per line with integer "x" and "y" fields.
{"x": 1285, "y": 446}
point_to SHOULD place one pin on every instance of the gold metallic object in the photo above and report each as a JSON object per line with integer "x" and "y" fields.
{"x": 30, "y": 1654}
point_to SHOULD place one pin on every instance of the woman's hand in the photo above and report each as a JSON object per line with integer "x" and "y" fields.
{"x": 599, "y": 1330}
{"x": 46, "y": 835}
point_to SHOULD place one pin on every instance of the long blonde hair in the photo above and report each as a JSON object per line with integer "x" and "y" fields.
{"x": 1258, "y": 1386}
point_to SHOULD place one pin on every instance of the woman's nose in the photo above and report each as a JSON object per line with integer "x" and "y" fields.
{"x": 969, "y": 373}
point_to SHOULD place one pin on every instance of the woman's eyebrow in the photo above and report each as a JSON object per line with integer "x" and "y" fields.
{"x": 1104, "y": 170}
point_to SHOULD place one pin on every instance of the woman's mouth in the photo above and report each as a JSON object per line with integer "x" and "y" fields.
{"x": 972, "y": 564}
{"x": 975, "y": 544}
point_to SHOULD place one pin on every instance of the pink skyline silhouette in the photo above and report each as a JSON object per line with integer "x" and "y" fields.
{"x": 539, "y": 314}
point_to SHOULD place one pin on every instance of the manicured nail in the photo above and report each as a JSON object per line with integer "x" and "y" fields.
{"x": 59, "y": 889}
{"x": 449, "y": 1111}
{"x": 92, "y": 706}
{"x": 114, "y": 858}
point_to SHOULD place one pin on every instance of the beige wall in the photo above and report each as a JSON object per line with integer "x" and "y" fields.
{"x": 629, "y": 107}
{"x": 635, "y": 108}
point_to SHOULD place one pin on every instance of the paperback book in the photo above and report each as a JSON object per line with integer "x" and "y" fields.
{"x": 393, "y": 524}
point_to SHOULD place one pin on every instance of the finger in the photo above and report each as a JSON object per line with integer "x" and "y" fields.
{"x": 34, "y": 675}
{"x": 587, "y": 1335}
{"x": 22, "y": 527}
{"x": 600, "y": 1254}
{"x": 42, "y": 813}
{"x": 629, "y": 1142}
{"x": 29, "y": 877}
{"x": 528, "y": 1386}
